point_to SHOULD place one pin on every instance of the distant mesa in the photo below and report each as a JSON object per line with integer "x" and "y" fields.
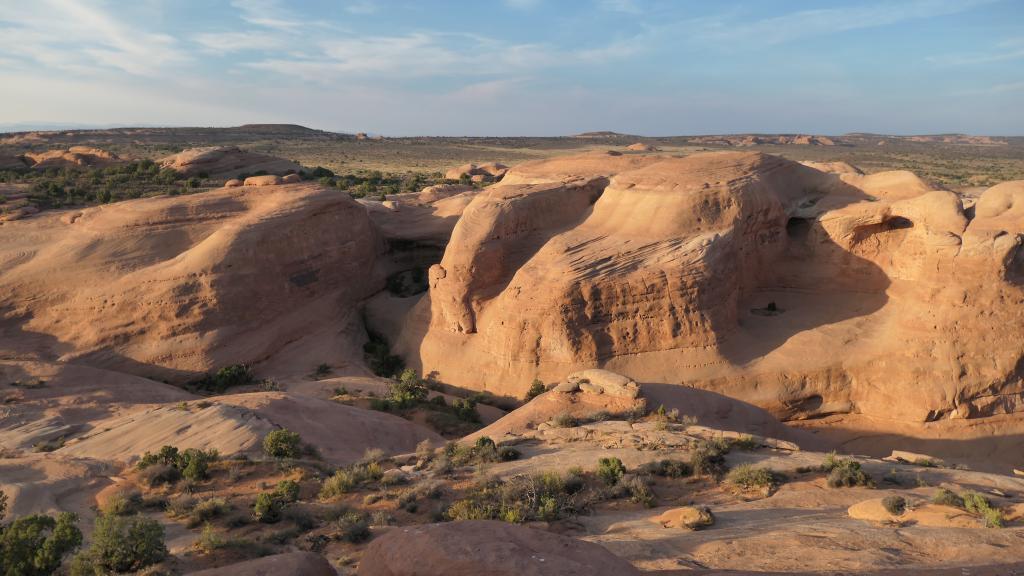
{"x": 756, "y": 140}
{"x": 226, "y": 161}
{"x": 600, "y": 134}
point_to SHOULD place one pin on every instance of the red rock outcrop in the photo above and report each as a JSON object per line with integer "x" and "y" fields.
{"x": 226, "y": 162}
{"x": 170, "y": 286}
{"x": 740, "y": 273}
{"x": 475, "y": 547}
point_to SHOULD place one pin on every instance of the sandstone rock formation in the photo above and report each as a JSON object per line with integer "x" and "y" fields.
{"x": 171, "y": 287}
{"x": 490, "y": 172}
{"x": 225, "y": 162}
{"x": 73, "y": 157}
{"x": 754, "y": 140}
{"x": 268, "y": 180}
{"x": 287, "y": 564}
{"x": 736, "y": 272}
{"x": 641, "y": 147}
{"x": 477, "y": 547}
{"x": 686, "y": 517}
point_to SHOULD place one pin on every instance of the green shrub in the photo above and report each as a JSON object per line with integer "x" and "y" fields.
{"x": 159, "y": 474}
{"x": 844, "y": 472}
{"x": 282, "y": 443}
{"x": 565, "y": 420}
{"x": 3, "y": 504}
{"x": 610, "y": 470}
{"x": 708, "y": 458}
{"x": 747, "y": 476}
{"x": 465, "y": 409}
{"x": 536, "y": 389}
{"x": 895, "y": 505}
{"x": 124, "y": 502}
{"x": 520, "y": 499}
{"x": 267, "y": 508}
{"x": 287, "y": 490}
{"x": 226, "y": 377}
{"x": 210, "y": 540}
{"x": 206, "y": 510}
{"x": 639, "y": 491}
{"x": 978, "y": 504}
{"x": 36, "y": 545}
{"x": 121, "y": 544}
{"x": 408, "y": 390}
{"x": 346, "y": 480}
{"x": 948, "y": 498}
{"x": 667, "y": 468}
{"x": 194, "y": 463}
{"x": 354, "y": 527}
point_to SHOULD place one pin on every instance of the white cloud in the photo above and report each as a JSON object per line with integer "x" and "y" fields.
{"x": 432, "y": 54}
{"x": 86, "y": 37}
{"x": 225, "y": 42}
{"x": 1011, "y": 49}
{"x": 825, "y": 21}
{"x": 267, "y": 13}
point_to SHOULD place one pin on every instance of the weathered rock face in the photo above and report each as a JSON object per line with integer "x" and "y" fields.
{"x": 288, "y": 564}
{"x": 736, "y": 272}
{"x": 166, "y": 287}
{"x": 477, "y": 547}
{"x": 490, "y": 172}
{"x": 225, "y": 161}
{"x": 72, "y": 157}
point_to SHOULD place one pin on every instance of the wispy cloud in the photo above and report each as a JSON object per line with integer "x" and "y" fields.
{"x": 267, "y": 13}
{"x": 1011, "y": 49}
{"x": 86, "y": 37}
{"x": 434, "y": 54}
{"x": 825, "y": 21}
{"x": 227, "y": 42}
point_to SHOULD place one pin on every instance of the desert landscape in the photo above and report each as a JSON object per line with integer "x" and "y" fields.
{"x": 771, "y": 344}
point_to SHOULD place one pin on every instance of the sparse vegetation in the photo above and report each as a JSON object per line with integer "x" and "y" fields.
{"x": 946, "y": 497}
{"x": 707, "y": 458}
{"x": 610, "y": 470}
{"x": 895, "y": 505}
{"x": 121, "y": 544}
{"x": 978, "y": 504}
{"x": 353, "y": 527}
{"x": 536, "y": 389}
{"x": 521, "y": 499}
{"x": 170, "y": 464}
{"x": 226, "y": 377}
{"x": 282, "y": 443}
{"x": 36, "y": 545}
{"x": 844, "y": 472}
{"x": 379, "y": 358}
{"x": 667, "y": 468}
{"x": 748, "y": 477}
{"x": 346, "y": 480}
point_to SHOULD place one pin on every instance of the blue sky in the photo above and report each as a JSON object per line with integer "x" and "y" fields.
{"x": 519, "y": 67}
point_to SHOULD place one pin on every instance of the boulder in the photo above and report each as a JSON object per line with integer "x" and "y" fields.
{"x": 287, "y": 564}
{"x": 597, "y": 381}
{"x": 233, "y": 183}
{"x": 686, "y": 517}
{"x": 268, "y": 180}
{"x": 641, "y": 147}
{"x": 291, "y": 179}
{"x": 476, "y": 547}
